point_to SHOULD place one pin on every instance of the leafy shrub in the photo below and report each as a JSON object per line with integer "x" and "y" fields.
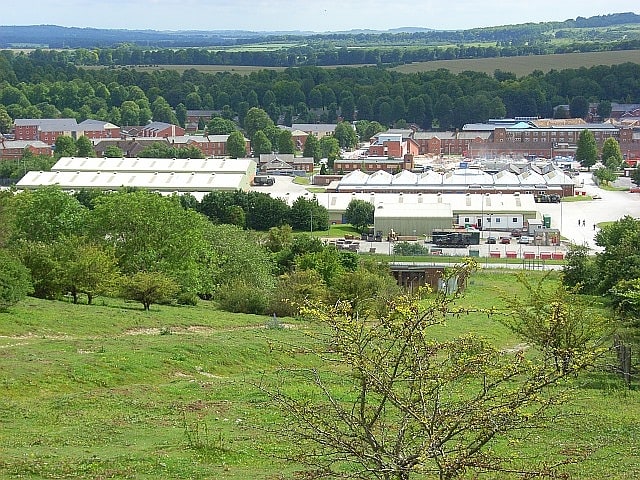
{"x": 240, "y": 297}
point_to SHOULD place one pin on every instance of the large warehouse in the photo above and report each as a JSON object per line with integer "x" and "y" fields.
{"x": 164, "y": 175}
{"x": 421, "y": 213}
{"x": 462, "y": 180}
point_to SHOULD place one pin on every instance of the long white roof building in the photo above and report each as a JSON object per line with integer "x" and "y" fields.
{"x": 165, "y": 175}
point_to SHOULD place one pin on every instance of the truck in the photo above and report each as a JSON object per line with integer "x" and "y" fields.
{"x": 267, "y": 180}
{"x": 455, "y": 238}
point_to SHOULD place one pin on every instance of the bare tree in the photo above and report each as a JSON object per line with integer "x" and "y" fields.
{"x": 390, "y": 400}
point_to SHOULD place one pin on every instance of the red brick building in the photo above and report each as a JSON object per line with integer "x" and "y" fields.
{"x": 46, "y": 130}
{"x": 94, "y": 129}
{"x": 14, "y": 149}
{"x": 160, "y": 129}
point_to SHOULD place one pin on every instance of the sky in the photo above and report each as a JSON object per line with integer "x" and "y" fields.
{"x": 303, "y": 15}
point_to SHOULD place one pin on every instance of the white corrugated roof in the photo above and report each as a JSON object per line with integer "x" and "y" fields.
{"x": 161, "y": 181}
{"x": 197, "y": 165}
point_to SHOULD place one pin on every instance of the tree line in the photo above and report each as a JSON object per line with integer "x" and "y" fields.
{"x": 35, "y": 86}
{"x": 236, "y": 248}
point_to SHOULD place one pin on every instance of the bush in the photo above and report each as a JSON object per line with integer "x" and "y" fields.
{"x": 242, "y": 298}
{"x": 15, "y": 281}
{"x": 187, "y": 298}
{"x": 410, "y": 249}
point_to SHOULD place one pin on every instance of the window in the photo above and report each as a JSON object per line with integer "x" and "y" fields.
{"x": 514, "y": 219}
{"x": 497, "y": 220}
{"x": 466, "y": 220}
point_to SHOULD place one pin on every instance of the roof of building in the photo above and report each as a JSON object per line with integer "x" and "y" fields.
{"x": 90, "y": 123}
{"x": 314, "y": 127}
{"x": 19, "y": 144}
{"x": 460, "y": 178}
{"x": 197, "y": 165}
{"x": 431, "y": 204}
{"x": 49, "y": 124}
{"x": 157, "y": 181}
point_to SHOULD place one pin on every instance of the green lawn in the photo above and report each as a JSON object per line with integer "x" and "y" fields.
{"x": 111, "y": 391}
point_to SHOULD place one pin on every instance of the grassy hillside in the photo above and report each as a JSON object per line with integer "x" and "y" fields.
{"x": 110, "y": 391}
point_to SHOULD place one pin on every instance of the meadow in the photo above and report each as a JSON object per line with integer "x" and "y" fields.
{"x": 111, "y": 391}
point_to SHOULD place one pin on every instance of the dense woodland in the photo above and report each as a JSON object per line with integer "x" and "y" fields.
{"x": 45, "y": 84}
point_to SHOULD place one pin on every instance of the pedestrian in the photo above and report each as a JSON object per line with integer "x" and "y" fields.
{"x": 594, "y": 226}
{"x": 584, "y": 223}
{"x": 578, "y": 222}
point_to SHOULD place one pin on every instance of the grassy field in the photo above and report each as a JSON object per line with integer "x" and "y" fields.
{"x": 526, "y": 64}
{"x": 111, "y": 391}
{"x": 518, "y": 65}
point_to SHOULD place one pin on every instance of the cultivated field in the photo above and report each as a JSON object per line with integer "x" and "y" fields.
{"x": 110, "y": 391}
{"x": 525, "y": 65}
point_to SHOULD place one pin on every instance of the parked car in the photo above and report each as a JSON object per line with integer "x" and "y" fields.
{"x": 505, "y": 239}
{"x": 595, "y": 196}
{"x": 524, "y": 239}
{"x": 516, "y": 233}
{"x": 492, "y": 240}
{"x": 634, "y": 190}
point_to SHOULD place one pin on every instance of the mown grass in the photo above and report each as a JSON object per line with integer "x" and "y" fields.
{"x": 111, "y": 391}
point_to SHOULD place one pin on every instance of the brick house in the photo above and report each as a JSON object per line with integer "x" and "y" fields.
{"x": 99, "y": 129}
{"x": 46, "y": 130}
{"x": 194, "y": 117}
{"x": 14, "y": 149}
{"x": 318, "y": 130}
{"x": 159, "y": 130}
{"x": 284, "y": 163}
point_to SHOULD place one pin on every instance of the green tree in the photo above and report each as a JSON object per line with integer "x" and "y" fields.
{"x": 393, "y": 400}
{"x": 113, "y": 151}
{"x": 285, "y": 142}
{"x": 329, "y": 148}
{"x": 605, "y": 175}
{"x": 587, "y": 151}
{"x": 5, "y": 121}
{"x": 46, "y": 214}
{"x": 84, "y": 147}
{"x": 220, "y": 126}
{"x": 620, "y": 259}
{"x": 359, "y": 213}
{"x": 162, "y": 111}
{"x": 579, "y": 271}
{"x": 236, "y": 145}
{"x": 308, "y": 215}
{"x": 579, "y": 107}
{"x": 152, "y": 233}
{"x": 368, "y": 288}
{"x": 611, "y": 155}
{"x": 65, "y": 147}
{"x": 148, "y": 288}
{"x": 635, "y": 176}
{"x": 261, "y": 144}
{"x": 311, "y": 148}
{"x": 294, "y": 289}
{"x": 346, "y": 135}
{"x": 238, "y": 259}
{"x": 15, "y": 280}
{"x": 558, "y": 322}
{"x": 255, "y": 120}
{"x": 181, "y": 114}
{"x": 604, "y": 109}
{"x": 86, "y": 268}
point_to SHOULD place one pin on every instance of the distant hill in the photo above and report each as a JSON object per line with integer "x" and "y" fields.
{"x": 53, "y": 36}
